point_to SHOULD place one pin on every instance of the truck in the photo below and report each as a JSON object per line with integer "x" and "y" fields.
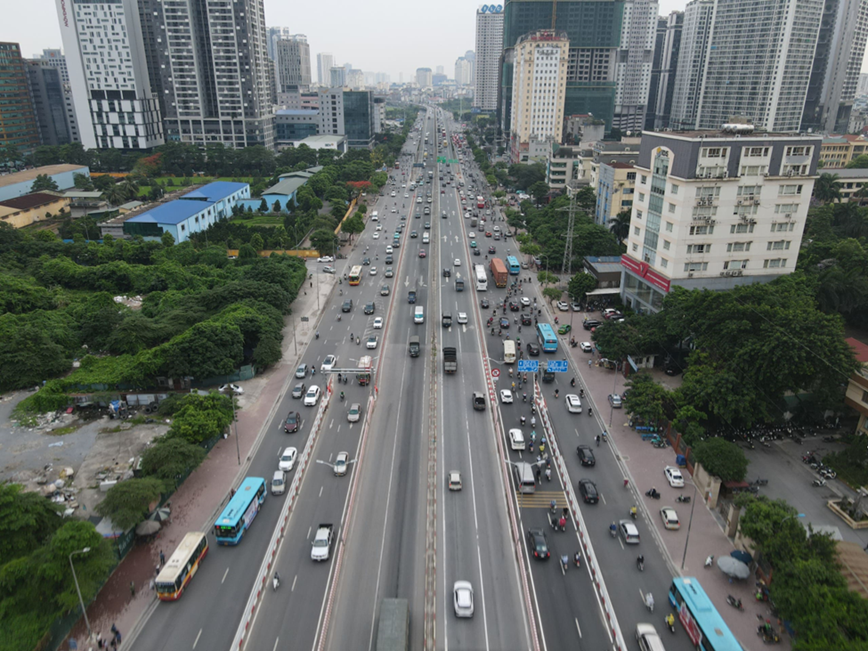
{"x": 393, "y": 625}
{"x": 322, "y": 542}
{"x": 446, "y": 319}
{"x": 450, "y": 359}
{"x": 498, "y": 270}
{"x": 473, "y": 222}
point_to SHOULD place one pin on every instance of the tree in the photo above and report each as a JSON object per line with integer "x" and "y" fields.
{"x": 860, "y": 162}
{"x": 580, "y": 285}
{"x": 28, "y": 521}
{"x": 538, "y": 191}
{"x": 353, "y": 225}
{"x": 167, "y": 239}
{"x": 687, "y": 422}
{"x": 324, "y": 241}
{"x": 646, "y": 398}
{"x": 115, "y": 195}
{"x": 129, "y": 502}
{"x": 82, "y": 182}
{"x": 44, "y": 182}
{"x": 263, "y": 206}
{"x": 256, "y": 242}
{"x": 201, "y": 418}
{"x": 170, "y": 459}
{"x": 620, "y": 225}
{"x": 275, "y": 207}
{"x": 826, "y": 189}
{"x": 722, "y": 459}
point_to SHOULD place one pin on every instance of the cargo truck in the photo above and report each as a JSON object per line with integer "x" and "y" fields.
{"x": 498, "y": 270}
{"x": 450, "y": 359}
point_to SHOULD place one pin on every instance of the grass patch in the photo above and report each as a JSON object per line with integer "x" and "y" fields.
{"x": 62, "y": 431}
{"x": 258, "y": 220}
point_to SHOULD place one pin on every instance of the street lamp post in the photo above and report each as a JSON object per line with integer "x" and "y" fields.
{"x": 235, "y": 422}
{"x": 78, "y": 590}
{"x": 689, "y": 523}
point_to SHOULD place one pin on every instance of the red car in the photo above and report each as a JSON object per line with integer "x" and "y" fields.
{"x": 422, "y": 253}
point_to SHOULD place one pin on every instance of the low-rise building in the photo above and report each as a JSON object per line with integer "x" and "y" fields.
{"x": 849, "y": 182}
{"x": 839, "y": 151}
{"x": 23, "y": 211}
{"x": 857, "y": 386}
{"x": 716, "y": 209}
{"x": 83, "y": 202}
{"x": 17, "y": 184}
{"x": 336, "y": 143}
{"x": 563, "y": 166}
{"x": 615, "y": 185}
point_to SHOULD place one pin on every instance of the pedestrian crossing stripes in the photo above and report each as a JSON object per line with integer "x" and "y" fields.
{"x": 541, "y": 499}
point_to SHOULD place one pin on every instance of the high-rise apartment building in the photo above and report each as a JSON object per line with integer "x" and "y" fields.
{"x": 116, "y": 101}
{"x": 212, "y": 71}
{"x": 439, "y": 70}
{"x": 757, "y": 67}
{"x": 18, "y": 125}
{"x": 325, "y": 61}
{"x": 49, "y": 105}
{"x": 337, "y": 77}
{"x": 660, "y": 92}
{"x": 714, "y": 209}
{"x": 489, "y": 48}
{"x": 593, "y": 28}
{"x": 424, "y": 77}
{"x": 273, "y": 35}
{"x": 356, "y": 79}
{"x": 292, "y": 63}
{"x": 470, "y": 55}
{"x": 692, "y": 55}
{"x": 539, "y": 82}
{"x": 54, "y": 59}
{"x": 837, "y": 63}
{"x": 634, "y": 63}
{"x": 463, "y": 72}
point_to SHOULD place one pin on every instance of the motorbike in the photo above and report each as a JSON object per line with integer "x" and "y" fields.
{"x": 613, "y": 531}
{"x": 818, "y": 483}
{"x": 670, "y": 623}
{"x": 709, "y": 561}
{"x": 649, "y": 602}
{"x": 640, "y": 564}
{"x": 558, "y": 524}
{"x": 760, "y": 482}
{"x": 590, "y": 412}
{"x": 548, "y": 474}
{"x": 684, "y": 499}
{"x": 735, "y": 603}
{"x": 634, "y": 513}
{"x": 768, "y": 634}
{"x": 577, "y": 559}
{"x": 342, "y": 396}
{"x": 653, "y": 493}
{"x": 565, "y": 563}
{"x": 275, "y": 582}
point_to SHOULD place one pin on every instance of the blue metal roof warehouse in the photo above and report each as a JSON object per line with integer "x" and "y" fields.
{"x": 192, "y": 213}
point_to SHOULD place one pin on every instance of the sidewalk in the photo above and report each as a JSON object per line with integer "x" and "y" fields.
{"x": 195, "y": 504}
{"x": 644, "y": 466}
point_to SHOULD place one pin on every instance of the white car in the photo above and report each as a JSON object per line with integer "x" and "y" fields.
{"x": 328, "y": 363}
{"x": 394, "y": 209}
{"x": 378, "y": 323}
{"x": 376, "y": 235}
{"x": 341, "y": 463}
{"x": 462, "y": 599}
{"x": 393, "y": 193}
{"x": 373, "y": 271}
{"x": 326, "y": 258}
{"x": 586, "y": 347}
{"x": 563, "y": 307}
{"x": 311, "y": 396}
{"x": 670, "y": 518}
{"x": 301, "y": 371}
{"x": 506, "y": 396}
{"x": 574, "y": 405}
{"x": 379, "y": 227}
{"x": 354, "y": 413}
{"x": 516, "y": 439}
{"x": 389, "y": 249}
{"x": 372, "y": 342}
{"x": 457, "y": 262}
{"x": 525, "y": 301}
{"x": 674, "y": 477}
{"x": 234, "y": 388}
{"x": 406, "y": 195}
{"x": 287, "y": 459}
{"x": 462, "y": 317}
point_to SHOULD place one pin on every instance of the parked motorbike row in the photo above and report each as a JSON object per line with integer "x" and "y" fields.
{"x": 817, "y": 465}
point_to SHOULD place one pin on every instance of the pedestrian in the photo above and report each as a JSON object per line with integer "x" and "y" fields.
{"x": 162, "y": 558}
{"x": 590, "y": 363}
{"x": 311, "y": 284}
{"x": 118, "y": 637}
{"x": 531, "y": 447}
{"x": 132, "y": 588}
{"x": 114, "y": 643}
{"x": 99, "y": 642}
{"x": 114, "y": 630}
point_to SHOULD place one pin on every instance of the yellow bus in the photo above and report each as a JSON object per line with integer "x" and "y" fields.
{"x": 181, "y": 567}
{"x": 356, "y": 275}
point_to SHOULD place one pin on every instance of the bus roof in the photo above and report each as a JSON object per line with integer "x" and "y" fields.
{"x": 178, "y": 560}
{"x": 706, "y": 614}
{"x": 239, "y": 502}
{"x": 545, "y": 329}
{"x": 357, "y": 269}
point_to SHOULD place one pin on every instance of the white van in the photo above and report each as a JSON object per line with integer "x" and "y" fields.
{"x": 648, "y": 639}
{"x": 508, "y": 351}
{"x": 278, "y": 483}
{"x": 419, "y": 315}
{"x": 525, "y": 482}
{"x": 425, "y": 238}
{"x": 375, "y": 216}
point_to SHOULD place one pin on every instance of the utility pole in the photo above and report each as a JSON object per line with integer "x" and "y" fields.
{"x": 566, "y": 267}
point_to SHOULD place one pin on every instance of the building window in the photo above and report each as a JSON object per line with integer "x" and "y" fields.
{"x": 635, "y": 248}
{"x": 666, "y": 245}
{"x": 671, "y": 207}
{"x": 797, "y": 151}
{"x": 699, "y": 248}
{"x": 695, "y": 266}
{"x": 669, "y": 227}
{"x": 714, "y": 152}
{"x": 778, "y": 245}
{"x": 735, "y": 264}
{"x": 644, "y": 179}
{"x": 702, "y": 230}
{"x": 784, "y": 208}
{"x": 638, "y": 214}
{"x": 641, "y": 196}
{"x": 631, "y": 176}
{"x": 750, "y": 191}
{"x": 789, "y": 189}
{"x": 637, "y": 231}
{"x": 664, "y": 263}
{"x": 783, "y": 227}
{"x": 754, "y": 152}
{"x": 741, "y": 229}
{"x": 752, "y": 170}
{"x": 776, "y": 263}
{"x": 702, "y": 192}
{"x": 674, "y": 189}
{"x": 736, "y": 247}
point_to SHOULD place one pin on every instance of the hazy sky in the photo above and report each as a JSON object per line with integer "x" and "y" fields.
{"x": 374, "y": 36}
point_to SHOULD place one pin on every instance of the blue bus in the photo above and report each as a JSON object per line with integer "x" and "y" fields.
{"x": 239, "y": 513}
{"x": 513, "y": 265}
{"x": 545, "y": 334}
{"x": 702, "y": 623}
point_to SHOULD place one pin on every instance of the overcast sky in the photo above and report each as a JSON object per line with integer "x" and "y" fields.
{"x": 374, "y": 36}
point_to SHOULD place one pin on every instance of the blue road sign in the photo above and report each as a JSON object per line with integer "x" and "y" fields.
{"x": 557, "y": 366}
{"x": 528, "y": 366}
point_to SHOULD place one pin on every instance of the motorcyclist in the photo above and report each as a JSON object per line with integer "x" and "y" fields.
{"x": 577, "y": 557}
{"x": 670, "y": 620}
{"x": 613, "y": 528}
{"x": 562, "y": 523}
{"x": 342, "y": 395}
{"x": 573, "y": 382}
{"x": 634, "y": 511}
{"x": 649, "y": 601}
{"x": 523, "y": 421}
{"x": 640, "y": 560}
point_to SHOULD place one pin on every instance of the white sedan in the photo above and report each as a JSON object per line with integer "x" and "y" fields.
{"x": 389, "y": 249}
{"x": 311, "y": 397}
{"x": 506, "y": 396}
{"x": 372, "y": 342}
{"x": 563, "y": 307}
{"x": 586, "y": 347}
{"x": 373, "y": 271}
{"x": 574, "y": 405}
{"x": 457, "y": 262}
{"x": 525, "y": 301}
{"x": 674, "y": 477}
{"x": 287, "y": 459}
{"x": 376, "y": 235}
{"x": 462, "y": 599}
{"x": 325, "y": 258}
{"x": 328, "y": 363}
{"x": 462, "y": 318}
{"x": 378, "y": 323}
{"x": 234, "y": 388}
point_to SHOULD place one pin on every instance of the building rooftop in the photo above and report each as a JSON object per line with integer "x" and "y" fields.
{"x": 29, "y": 201}
{"x": 620, "y": 166}
{"x": 835, "y": 140}
{"x": 173, "y": 212}
{"x": 83, "y": 194}
{"x": 286, "y": 186}
{"x": 730, "y": 135}
{"x": 213, "y": 191}
{"x": 847, "y": 173}
{"x": 859, "y": 348}
{"x": 131, "y": 205}
{"x": 31, "y": 174}
{"x": 604, "y": 264}
{"x": 324, "y": 139}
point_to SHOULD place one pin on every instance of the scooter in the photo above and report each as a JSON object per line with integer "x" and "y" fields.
{"x": 670, "y": 624}
{"x": 653, "y": 493}
{"x": 684, "y": 499}
{"x": 818, "y": 483}
{"x": 735, "y": 603}
{"x": 275, "y": 582}
{"x": 640, "y": 563}
{"x": 709, "y": 561}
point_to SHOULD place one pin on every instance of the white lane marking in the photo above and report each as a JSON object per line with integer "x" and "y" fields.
{"x": 276, "y": 642}
{"x": 225, "y": 574}
{"x": 196, "y": 641}
{"x": 292, "y": 588}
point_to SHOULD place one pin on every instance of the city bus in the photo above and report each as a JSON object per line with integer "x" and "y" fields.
{"x": 702, "y": 623}
{"x": 239, "y": 513}
{"x": 181, "y": 566}
{"x": 480, "y": 202}
{"x": 545, "y": 334}
{"x": 513, "y": 265}
{"x": 481, "y": 278}
{"x": 366, "y": 364}
{"x": 356, "y": 275}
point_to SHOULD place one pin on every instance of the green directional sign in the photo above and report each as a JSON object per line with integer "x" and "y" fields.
{"x": 453, "y": 161}
{"x": 441, "y": 159}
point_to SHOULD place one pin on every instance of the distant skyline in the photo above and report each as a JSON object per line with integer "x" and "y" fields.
{"x": 375, "y": 36}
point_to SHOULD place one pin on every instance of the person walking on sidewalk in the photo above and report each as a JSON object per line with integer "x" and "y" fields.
{"x": 132, "y": 590}
{"x": 162, "y": 558}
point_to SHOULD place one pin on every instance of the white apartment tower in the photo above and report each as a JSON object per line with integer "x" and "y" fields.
{"x": 325, "y": 61}
{"x": 539, "y": 87}
{"x": 634, "y": 63}
{"x": 463, "y": 72}
{"x": 837, "y": 63}
{"x": 690, "y": 68}
{"x": 489, "y": 48}
{"x": 758, "y": 64}
{"x": 115, "y": 107}
{"x": 209, "y": 60}
{"x": 292, "y": 63}
{"x": 713, "y": 210}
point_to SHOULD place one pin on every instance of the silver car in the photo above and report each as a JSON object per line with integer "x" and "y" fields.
{"x": 462, "y": 599}
{"x": 355, "y": 413}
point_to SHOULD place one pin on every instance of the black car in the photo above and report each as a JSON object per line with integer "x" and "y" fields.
{"x": 389, "y": 258}
{"x": 492, "y": 249}
{"x": 588, "y": 490}
{"x": 586, "y": 455}
{"x": 526, "y": 319}
{"x": 484, "y": 304}
{"x": 477, "y": 252}
{"x": 369, "y": 308}
{"x": 532, "y": 349}
{"x": 504, "y": 323}
{"x": 298, "y": 390}
{"x": 591, "y": 323}
{"x": 446, "y": 273}
{"x": 514, "y": 306}
{"x": 347, "y": 306}
{"x": 537, "y": 544}
{"x": 366, "y": 261}
{"x": 292, "y": 422}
